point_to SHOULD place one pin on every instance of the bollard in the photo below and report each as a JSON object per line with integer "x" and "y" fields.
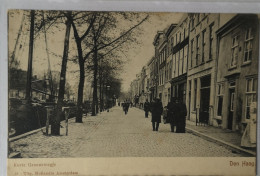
{"x": 48, "y": 109}
{"x": 67, "y": 113}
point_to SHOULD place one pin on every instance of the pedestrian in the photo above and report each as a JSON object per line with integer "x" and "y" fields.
{"x": 156, "y": 110}
{"x": 125, "y": 107}
{"x": 181, "y": 116}
{"x": 171, "y": 114}
{"x": 146, "y": 108}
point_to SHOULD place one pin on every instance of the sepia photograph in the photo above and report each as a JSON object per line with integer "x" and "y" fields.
{"x": 109, "y": 84}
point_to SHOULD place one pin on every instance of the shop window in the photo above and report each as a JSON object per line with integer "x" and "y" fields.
{"x": 234, "y": 52}
{"x": 248, "y": 45}
{"x": 251, "y": 96}
{"x": 195, "y": 95}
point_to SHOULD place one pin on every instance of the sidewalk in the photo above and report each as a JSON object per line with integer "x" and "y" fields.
{"x": 223, "y": 137}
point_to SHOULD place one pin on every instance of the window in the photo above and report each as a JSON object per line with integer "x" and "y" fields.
{"x": 197, "y": 50}
{"x": 220, "y": 93}
{"x": 185, "y": 58}
{"x": 210, "y": 41}
{"x": 234, "y": 51}
{"x": 166, "y": 72}
{"x": 198, "y": 18}
{"x": 165, "y": 53}
{"x": 180, "y": 37}
{"x": 181, "y": 62}
{"x": 170, "y": 70}
{"x": 171, "y": 44}
{"x": 173, "y": 66}
{"x": 203, "y": 46}
{"x": 202, "y": 15}
{"x": 169, "y": 94}
{"x": 232, "y": 101}
{"x": 251, "y": 88}
{"x": 173, "y": 91}
{"x": 163, "y": 74}
{"x": 192, "y": 22}
{"x": 177, "y": 63}
{"x": 248, "y": 45}
{"x": 192, "y": 51}
{"x": 195, "y": 95}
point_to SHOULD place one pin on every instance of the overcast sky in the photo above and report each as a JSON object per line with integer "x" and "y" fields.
{"x": 137, "y": 56}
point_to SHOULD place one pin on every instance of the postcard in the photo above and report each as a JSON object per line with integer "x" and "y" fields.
{"x": 132, "y": 93}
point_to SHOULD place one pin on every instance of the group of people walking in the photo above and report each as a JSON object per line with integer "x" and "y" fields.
{"x": 176, "y": 114}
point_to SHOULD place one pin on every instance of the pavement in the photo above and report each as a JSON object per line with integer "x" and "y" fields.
{"x": 114, "y": 134}
{"x": 225, "y": 137}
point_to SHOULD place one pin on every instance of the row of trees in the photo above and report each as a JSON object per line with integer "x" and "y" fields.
{"x": 101, "y": 38}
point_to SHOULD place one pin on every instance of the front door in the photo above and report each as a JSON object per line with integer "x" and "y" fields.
{"x": 231, "y": 108}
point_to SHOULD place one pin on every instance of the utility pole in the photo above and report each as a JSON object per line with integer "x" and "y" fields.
{"x": 30, "y": 57}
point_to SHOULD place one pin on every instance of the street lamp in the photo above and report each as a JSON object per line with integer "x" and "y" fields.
{"x": 108, "y": 87}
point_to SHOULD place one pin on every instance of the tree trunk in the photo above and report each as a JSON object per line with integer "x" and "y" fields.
{"x": 55, "y": 128}
{"x": 80, "y": 92}
{"x": 100, "y": 92}
{"x": 95, "y": 60}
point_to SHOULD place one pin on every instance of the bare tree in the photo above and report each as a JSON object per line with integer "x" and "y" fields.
{"x": 55, "y": 130}
{"x": 103, "y": 40}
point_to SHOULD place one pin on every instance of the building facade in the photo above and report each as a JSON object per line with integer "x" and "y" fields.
{"x": 179, "y": 41}
{"x": 210, "y": 62}
{"x": 237, "y": 71}
{"x": 201, "y": 66}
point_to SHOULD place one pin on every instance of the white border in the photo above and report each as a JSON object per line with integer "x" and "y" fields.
{"x": 213, "y": 6}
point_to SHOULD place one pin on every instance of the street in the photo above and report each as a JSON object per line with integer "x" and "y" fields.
{"x": 114, "y": 134}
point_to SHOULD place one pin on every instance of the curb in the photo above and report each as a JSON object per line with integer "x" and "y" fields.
{"x": 221, "y": 142}
{"x": 32, "y": 132}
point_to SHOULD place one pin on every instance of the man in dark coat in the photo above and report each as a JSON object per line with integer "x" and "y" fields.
{"x": 172, "y": 111}
{"x": 181, "y": 116}
{"x": 156, "y": 110}
{"x": 146, "y": 108}
{"x": 125, "y": 107}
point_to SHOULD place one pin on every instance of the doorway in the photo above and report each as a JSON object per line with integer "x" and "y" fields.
{"x": 231, "y": 108}
{"x": 205, "y": 99}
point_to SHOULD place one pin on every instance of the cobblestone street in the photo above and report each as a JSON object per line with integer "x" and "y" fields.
{"x": 114, "y": 134}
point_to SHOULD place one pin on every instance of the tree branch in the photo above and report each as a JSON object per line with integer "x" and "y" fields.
{"x": 127, "y": 32}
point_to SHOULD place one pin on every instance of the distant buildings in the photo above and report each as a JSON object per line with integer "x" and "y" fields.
{"x": 210, "y": 62}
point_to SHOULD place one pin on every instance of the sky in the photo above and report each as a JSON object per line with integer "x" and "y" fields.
{"x": 137, "y": 56}
{"x": 140, "y": 56}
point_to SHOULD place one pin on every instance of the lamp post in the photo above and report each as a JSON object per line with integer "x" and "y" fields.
{"x": 107, "y": 95}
